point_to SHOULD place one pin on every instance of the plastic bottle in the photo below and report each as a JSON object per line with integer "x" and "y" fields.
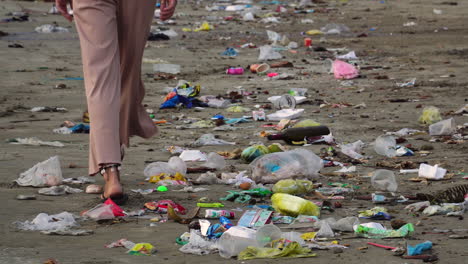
{"x": 299, "y": 133}
{"x": 210, "y": 213}
{"x": 384, "y": 180}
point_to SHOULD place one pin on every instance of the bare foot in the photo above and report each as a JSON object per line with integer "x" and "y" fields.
{"x": 113, "y": 187}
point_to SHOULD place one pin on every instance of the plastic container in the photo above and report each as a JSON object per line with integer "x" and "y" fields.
{"x": 210, "y": 213}
{"x": 445, "y": 127}
{"x": 294, "y": 187}
{"x": 431, "y": 172}
{"x": 293, "y": 206}
{"x": 385, "y": 145}
{"x": 266, "y": 234}
{"x": 235, "y": 71}
{"x": 384, "y": 180}
{"x": 236, "y": 239}
{"x": 271, "y": 168}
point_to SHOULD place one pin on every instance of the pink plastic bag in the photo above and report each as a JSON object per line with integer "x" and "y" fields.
{"x": 343, "y": 70}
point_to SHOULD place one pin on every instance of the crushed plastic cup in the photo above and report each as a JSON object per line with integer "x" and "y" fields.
{"x": 259, "y": 68}
{"x": 236, "y": 239}
{"x": 445, "y": 127}
{"x": 384, "y": 180}
{"x": 431, "y": 172}
{"x": 266, "y": 234}
{"x": 385, "y": 145}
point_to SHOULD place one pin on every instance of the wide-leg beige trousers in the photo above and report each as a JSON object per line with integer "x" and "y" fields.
{"x": 112, "y": 35}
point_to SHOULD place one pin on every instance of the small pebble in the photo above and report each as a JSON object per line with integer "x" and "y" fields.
{"x": 337, "y": 250}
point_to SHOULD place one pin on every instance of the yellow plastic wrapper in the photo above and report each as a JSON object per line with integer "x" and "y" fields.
{"x": 186, "y": 29}
{"x": 306, "y": 123}
{"x": 167, "y": 177}
{"x": 314, "y": 32}
{"x": 308, "y": 236}
{"x": 237, "y": 109}
{"x": 291, "y": 205}
{"x": 294, "y": 187}
{"x": 142, "y": 249}
{"x": 280, "y": 249}
{"x": 430, "y": 115}
{"x": 276, "y": 147}
{"x": 204, "y": 27}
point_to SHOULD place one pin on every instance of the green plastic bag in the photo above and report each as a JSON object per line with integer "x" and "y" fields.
{"x": 294, "y": 187}
{"x": 291, "y": 205}
{"x": 370, "y": 232}
{"x": 254, "y": 152}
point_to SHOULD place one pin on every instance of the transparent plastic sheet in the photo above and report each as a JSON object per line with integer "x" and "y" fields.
{"x": 46, "y": 173}
{"x": 197, "y": 245}
{"x": 384, "y": 180}
{"x": 271, "y": 168}
{"x": 45, "y": 222}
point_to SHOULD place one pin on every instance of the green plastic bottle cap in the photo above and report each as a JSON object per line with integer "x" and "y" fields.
{"x": 162, "y": 189}
{"x": 151, "y": 116}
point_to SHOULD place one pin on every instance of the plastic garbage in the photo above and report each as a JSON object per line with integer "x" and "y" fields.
{"x": 293, "y": 206}
{"x": 335, "y": 29}
{"x": 343, "y": 70}
{"x": 253, "y": 152}
{"x": 280, "y": 249}
{"x": 353, "y": 149}
{"x": 33, "y": 141}
{"x": 293, "y": 236}
{"x": 266, "y": 234}
{"x": 167, "y": 68}
{"x": 193, "y": 155}
{"x": 268, "y": 53}
{"x": 431, "y": 172}
{"x": 173, "y": 166}
{"x": 285, "y": 114}
{"x": 348, "y": 56}
{"x": 45, "y": 222}
{"x": 142, "y": 249}
{"x": 47, "y": 28}
{"x": 385, "y": 145}
{"x": 417, "y": 207}
{"x": 248, "y": 17}
{"x": 345, "y": 224}
{"x": 445, "y": 127}
{"x": 294, "y": 187}
{"x": 286, "y": 101}
{"x": 419, "y": 248}
{"x": 376, "y": 230}
{"x": 236, "y": 239}
{"x": 430, "y": 115}
{"x": 59, "y": 190}
{"x": 325, "y": 230}
{"x": 271, "y": 168}
{"x": 198, "y": 245}
{"x": 384, "y": 180}
{"x": 215, "y": 161}
{"x": 46, "y": 173}
{"x": 100, "y": 212}
{"x": 454, "y": 209}
{"x": 211, "y": 140}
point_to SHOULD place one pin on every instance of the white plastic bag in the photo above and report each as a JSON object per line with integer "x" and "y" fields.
{"x": 46, "y": 173}
{"x": 268, "y": 53}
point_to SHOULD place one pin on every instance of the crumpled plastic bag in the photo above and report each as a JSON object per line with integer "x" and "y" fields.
{"x": 48, "y": 28}
{"x": 215, "y": 161}
{"x": 344, "y": 70}
{"x": 45, "y": 222}
{"x": 59, "y": 190}
{"x": 198, "y": 245}
{"x": 281, "y": 249}
{"x": 430, "y": 115}
{"x": 294, "y": 187}
{"x": 293, "y": 206}
{"x": 46, "y": 173}
{"x": 205, "y": 26}
{"x": 353, "y": 149}
{"x": 271, "y": 168}
{"x": 268, "y": 53}
{"x": 174, "y": 165}
{"x": 33, "y": 141}
{"x": 211, "y": 140}
{"x": 253, "y": 152}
